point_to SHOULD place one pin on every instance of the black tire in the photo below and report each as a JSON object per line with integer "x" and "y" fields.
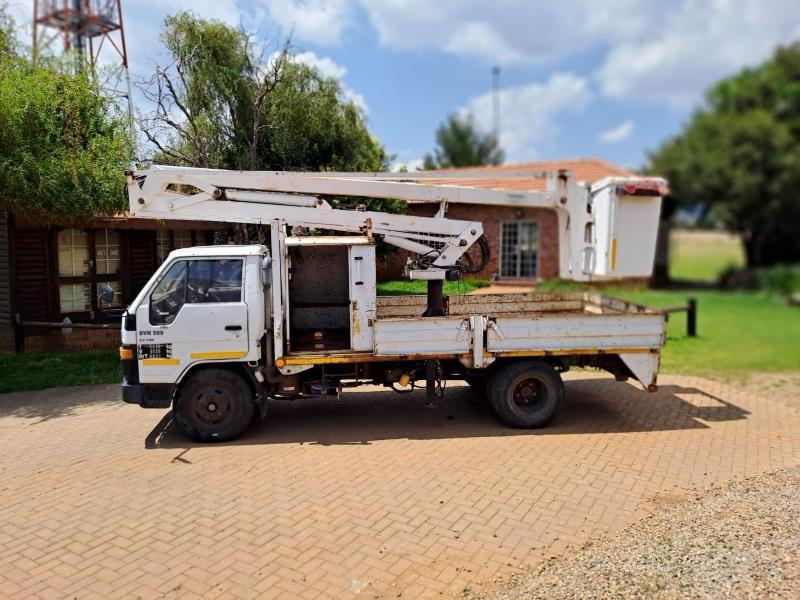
{"x": 214, "y": 405}
{"x": 526, "y": 394}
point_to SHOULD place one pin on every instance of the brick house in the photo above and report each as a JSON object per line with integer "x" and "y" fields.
{"x": 523, "y": 241}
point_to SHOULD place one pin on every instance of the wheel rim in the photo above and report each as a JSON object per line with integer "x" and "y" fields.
{"x": 212, "y": 406}
{"x": 529, "y": 395}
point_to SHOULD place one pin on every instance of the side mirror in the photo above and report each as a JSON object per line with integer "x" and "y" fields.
{"x": 105, "y": 293}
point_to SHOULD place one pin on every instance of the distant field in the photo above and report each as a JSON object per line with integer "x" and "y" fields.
{"x": 703, "y": 255}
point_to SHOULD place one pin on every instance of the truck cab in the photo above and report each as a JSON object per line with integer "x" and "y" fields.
{"x": 204, "y": 306}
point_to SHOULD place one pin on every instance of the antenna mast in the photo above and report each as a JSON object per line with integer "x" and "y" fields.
{"x": 93, "y": 29}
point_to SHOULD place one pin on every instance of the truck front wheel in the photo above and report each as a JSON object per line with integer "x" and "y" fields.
{"x": 526, "y": 394}
{"x": 214, "y": 405}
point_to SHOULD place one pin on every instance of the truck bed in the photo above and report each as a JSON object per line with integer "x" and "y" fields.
{"x": 520, "y": 324}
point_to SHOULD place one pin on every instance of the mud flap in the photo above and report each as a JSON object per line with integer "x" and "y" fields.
{"x": 644, "y": 367}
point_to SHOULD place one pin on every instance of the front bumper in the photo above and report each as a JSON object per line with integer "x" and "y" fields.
{"x": 131, "y": 392}
{"x": 148, "y": 395}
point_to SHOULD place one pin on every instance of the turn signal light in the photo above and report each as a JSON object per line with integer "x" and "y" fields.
{"x": 125, "y": 353}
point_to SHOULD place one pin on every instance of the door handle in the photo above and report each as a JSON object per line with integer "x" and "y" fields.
{"x": 233, "y": 327}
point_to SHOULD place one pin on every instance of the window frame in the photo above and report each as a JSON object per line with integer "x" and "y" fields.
{"x": 501, "y": 253}
{"x": 92, "y": 278}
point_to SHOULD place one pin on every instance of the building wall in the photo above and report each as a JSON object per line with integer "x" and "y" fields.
{"x": 492, "y": 217}
{"x": 32, "y": 265}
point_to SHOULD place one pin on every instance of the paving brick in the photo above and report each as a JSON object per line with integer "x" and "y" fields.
{"x": 372, "y": 495}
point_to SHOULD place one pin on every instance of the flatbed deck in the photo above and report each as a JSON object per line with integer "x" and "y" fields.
{"x": 479, "y": 329}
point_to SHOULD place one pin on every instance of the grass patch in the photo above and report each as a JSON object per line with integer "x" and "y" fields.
{"x": 20, "y": 372}
{"x": 406, "y": 287}
{"x": 703, "y": 255}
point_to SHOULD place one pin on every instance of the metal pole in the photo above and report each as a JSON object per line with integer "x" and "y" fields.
{"x": 691, "y": 317}
{"x": 131, "y": 124}
{"x": 496, "y": 103}
{"x": 435, "y": 298}
{"x": 35, "y": 51}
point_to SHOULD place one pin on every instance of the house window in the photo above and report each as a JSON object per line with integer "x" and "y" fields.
{"x": 519, "y": 249}
{"x": 87, "y": 258}
{"x": 73, "y": 253}
{"x": 163, "y": 244}
{"x": 169, "y": 240}
{"x": 74, "y": 297}
{"x": 107, "y": 248}
{"x": 182, "y": 238}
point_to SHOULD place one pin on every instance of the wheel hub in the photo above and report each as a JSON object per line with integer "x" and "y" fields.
{"x": 211, "y": 406}
{"x": 529, "y": 392}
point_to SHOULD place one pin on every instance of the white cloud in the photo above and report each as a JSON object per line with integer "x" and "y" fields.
{"x": 529, "y": 113}
{"x": 650, "y": 50}
{"x": 506, "y": 32}
{"x": 698, "y": 43}
{"x": 618, "y": 133}
{"x": 323, "y": 64}
{"x": 318, "y": 21}
{"x": 329, "y": 68}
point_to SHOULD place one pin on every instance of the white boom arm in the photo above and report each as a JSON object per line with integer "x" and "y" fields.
{"x": 262, "y": 197}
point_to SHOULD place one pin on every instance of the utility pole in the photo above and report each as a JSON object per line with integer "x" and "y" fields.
{"x": 496, "y": 103}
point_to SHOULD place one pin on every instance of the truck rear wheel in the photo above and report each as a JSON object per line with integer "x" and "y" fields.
{"x": 526, "y": 394}
{"x": 214, "y": 405}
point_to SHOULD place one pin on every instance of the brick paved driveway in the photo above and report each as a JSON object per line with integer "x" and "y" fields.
{"x": 374, "y": 495}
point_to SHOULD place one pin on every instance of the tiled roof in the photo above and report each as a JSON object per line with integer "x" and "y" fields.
{"x": 581, "y": 169}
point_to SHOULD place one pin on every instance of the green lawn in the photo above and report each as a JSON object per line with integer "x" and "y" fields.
{"x": 36, "y": 371}
{"x": 404, "y": 287}
{"x": 703, "y": 255}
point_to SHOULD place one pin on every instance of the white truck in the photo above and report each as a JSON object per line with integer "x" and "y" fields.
{"x": 219, "y": 331}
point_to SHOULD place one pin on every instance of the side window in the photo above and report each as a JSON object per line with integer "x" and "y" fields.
{"x": 217, "y": 280}
{"x": 169, "y": 295}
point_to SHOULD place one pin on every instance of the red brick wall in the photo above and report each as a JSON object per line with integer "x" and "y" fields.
{"x": 78, "y": 340}
{"x": 491, "y": 217}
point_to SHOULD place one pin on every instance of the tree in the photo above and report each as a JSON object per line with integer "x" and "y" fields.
{"x": 63, "y": 145}
{"x": 220, "y": 105}
{"x": 737, "y": 160}
{"x": 459, "y": 143}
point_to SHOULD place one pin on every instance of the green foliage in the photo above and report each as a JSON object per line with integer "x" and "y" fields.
{"x": 459, "y": 143}
{"x": 782, "y": 280}
{"x": 309, "y": 126}
{"x": 405, "y": 287}
{"x": 37, "y": 371}
{"x": 239, "y": 112}
{"x": 63, "y": 148}
{"x": 738, "y": 159}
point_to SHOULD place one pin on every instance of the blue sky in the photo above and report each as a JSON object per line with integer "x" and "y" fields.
{"x": 606, "y": 78}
